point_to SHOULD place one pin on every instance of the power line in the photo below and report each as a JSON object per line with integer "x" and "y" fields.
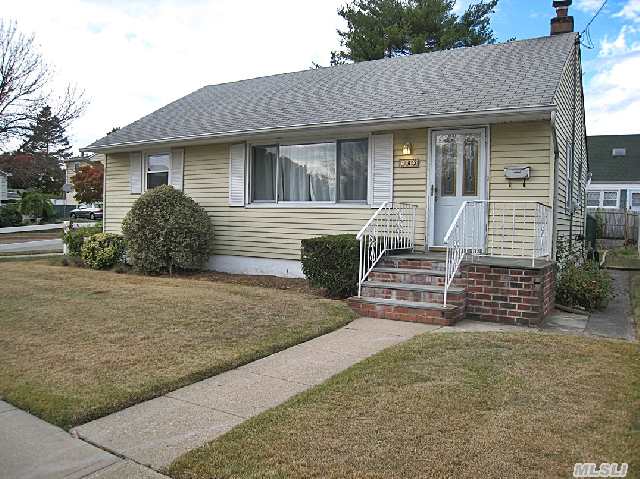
{"x": 586, "y": 33}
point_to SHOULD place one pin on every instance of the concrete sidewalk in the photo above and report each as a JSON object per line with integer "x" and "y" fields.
{"x": 157, "y": 432}
{"x": 31, "y": 448}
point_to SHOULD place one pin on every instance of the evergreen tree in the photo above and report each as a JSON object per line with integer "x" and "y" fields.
{"x": 46, "y": 141}
{"x": 388, "y": 28}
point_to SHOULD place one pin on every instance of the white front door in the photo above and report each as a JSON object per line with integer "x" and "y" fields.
{"x": 459, "y": 167}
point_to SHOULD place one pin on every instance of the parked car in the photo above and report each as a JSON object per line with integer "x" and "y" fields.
{"x": 92, "y": 212}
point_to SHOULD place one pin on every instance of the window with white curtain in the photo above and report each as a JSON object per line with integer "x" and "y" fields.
{"x": 326, "y": 172}
{"x": 158, "y": 166}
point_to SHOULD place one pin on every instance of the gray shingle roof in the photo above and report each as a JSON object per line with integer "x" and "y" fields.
{"x": 510, "y": 75}
{"x": 605, "y": 167}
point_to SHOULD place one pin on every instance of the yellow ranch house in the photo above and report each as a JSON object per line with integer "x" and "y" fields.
{"x": 462, "y": 173}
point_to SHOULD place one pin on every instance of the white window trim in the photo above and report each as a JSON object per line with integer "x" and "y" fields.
{"x": 250, "y": 203}
{"x": 601, "y": 202}
{"x": 630, "y": 193}
{"x": 145, "y": 165}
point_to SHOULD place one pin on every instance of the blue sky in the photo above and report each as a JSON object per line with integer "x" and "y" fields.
{"x": 134, "y": 56}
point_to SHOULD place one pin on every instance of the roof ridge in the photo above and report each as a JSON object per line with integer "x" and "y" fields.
{"x": 387, "y": 59}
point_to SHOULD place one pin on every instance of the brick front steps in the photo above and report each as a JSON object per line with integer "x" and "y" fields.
{"x": 409, "y": 287}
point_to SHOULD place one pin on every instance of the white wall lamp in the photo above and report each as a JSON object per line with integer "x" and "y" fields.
{"x": 407, "y": 149}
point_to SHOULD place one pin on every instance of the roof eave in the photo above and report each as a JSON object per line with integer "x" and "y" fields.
{"x": 374, "y": 123}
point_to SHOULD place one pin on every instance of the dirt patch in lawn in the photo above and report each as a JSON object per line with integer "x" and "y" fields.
{"x": 457, "y": 405}
{"x": 78, "y": 344}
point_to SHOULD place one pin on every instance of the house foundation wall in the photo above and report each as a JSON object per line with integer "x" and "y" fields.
{"x": 509, "y": 295}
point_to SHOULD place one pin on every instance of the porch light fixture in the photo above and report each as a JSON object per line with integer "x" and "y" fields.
{"x": 407, "y": 149}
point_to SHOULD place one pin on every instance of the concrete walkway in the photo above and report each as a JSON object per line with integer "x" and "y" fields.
{"x": 157, "y": 432}
{"x": 615, "y": 321}
{"x": 31, "y": 448}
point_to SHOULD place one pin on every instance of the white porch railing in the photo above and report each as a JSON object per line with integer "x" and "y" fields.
{"x": 508, "y": 229}
{"x": 392, "y": 227}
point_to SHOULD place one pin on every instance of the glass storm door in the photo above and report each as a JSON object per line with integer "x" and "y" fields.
{"x": 459, "y": 165}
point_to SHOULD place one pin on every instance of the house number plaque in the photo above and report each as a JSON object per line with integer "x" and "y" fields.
{"x": 409, "y": 163}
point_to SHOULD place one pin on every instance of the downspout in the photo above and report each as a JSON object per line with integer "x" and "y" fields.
{"x": 104, "y": 193}
{"x": 556, "y": 156}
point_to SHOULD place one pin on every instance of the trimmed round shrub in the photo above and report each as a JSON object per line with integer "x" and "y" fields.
{"x": 76, "y": 236}
{"x": 166, "y": 230}
{"x": 585, "y": 285}
{"x": 331, "y": 262}
{"x": 103, "y": 250}
{"x": 10, "y": 216}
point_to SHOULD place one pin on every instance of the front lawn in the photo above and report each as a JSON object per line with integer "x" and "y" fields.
{"x": 457, "y": 405}
{"x": 77, "y": 344}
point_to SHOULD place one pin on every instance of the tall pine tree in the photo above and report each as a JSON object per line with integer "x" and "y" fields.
{"x": 388, "y": 28}
{"x": 47, "y": 141}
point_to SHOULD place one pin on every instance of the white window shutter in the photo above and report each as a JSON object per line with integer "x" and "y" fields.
{"x": 381, "y": 147}
{"x": 177, "y": 168}
{"x": 135, "y": 172}
{"x": 237, "y": 175}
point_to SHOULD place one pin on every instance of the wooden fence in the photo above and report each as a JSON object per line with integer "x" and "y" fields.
{"x": 616, "y": 224}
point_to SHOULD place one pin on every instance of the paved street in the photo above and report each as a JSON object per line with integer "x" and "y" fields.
{"x": 54, "y": 245}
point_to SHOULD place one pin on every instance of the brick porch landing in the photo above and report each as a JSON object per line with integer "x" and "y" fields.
{"x": 409, "y": 287}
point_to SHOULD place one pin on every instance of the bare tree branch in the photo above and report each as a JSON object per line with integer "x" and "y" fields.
{"x": 24, "y": 79}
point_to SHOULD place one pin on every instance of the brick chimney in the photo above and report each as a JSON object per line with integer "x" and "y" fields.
{"x": 562, "y": 23}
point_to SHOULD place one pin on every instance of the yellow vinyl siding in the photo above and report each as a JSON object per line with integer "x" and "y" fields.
{"x": 564, "y": 99}
{"x": 276, "y": 232}
{"x": 409, "y": 184}
{"x": 517, "y": 144}
{"x": 260, "y": 232}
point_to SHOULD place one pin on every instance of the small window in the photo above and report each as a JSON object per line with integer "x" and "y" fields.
{"x": 593, "y": 199}
{"x": 619, "y": 152}
{"x": 158, "y": 169}
{"x": 610, "y": 199}
{"x": 76, "y": 166}
{"x": 635, "y": 200}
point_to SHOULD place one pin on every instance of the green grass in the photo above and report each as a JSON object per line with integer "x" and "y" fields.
{"x": 78, "y": 344}
{"x": 626, "y": 257}
{"x": 447, "y": 405}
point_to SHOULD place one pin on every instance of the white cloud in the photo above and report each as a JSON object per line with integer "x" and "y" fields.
{"x": 631, "y": 11}
{"x": 133, "y": 57}
{"x": 612, "y": 96}
{"x": 588, "y": 5}
{"x": 620, "y": 45}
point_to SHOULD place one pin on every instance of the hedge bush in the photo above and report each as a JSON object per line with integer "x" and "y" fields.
{"x": 75, "y": 237}
{"x": 10, "y": 216}
{"x": 103, "y": 250}
{"x": 37, "y": 205}
{"x": 166, "y": 230}
{"x": 331, "y": 262}
{"x": 584, "y": 285}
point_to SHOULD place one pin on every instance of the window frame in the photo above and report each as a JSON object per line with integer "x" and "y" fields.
{"x": 251, "y": 203}
{"x": 145, "y": 165}
{"x": 601, "y": 193}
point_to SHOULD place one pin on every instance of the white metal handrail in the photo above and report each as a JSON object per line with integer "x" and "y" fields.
{"x": 392, "y": 227}
{"x": 508, "y": 229}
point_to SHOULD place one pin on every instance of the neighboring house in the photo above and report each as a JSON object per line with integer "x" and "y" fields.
{"x": 614, "y": 164}
{"x": 484, "y": 143}
{"x": 4, "y": 188}
{"x": 72, "y": 165}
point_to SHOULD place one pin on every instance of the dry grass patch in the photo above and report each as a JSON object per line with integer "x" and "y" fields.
{"x": 78, "y": 344}
{"x": 447, "y": 405}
